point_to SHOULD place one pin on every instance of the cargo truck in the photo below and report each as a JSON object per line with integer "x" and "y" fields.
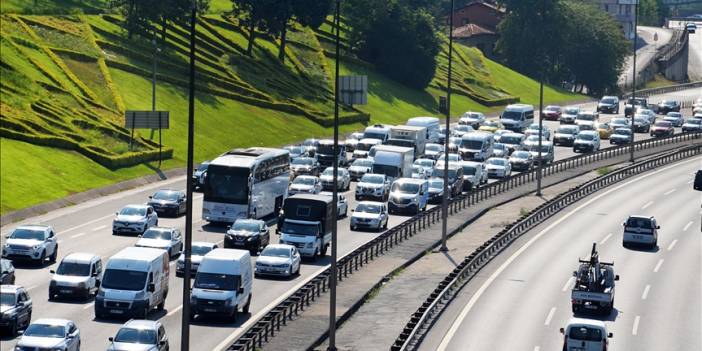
{"x": 393, "y": 161}
{"x": 307, "y": 222}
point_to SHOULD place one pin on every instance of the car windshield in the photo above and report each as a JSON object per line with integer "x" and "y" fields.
{"x": 433, "y": 147}
{"x": 586, "y": 137}
{"x": 368, "y": 208}
{"x": 494, "y": 124}
{"x": 639, "y": 222}
{"x": 694, "y": 121}
{"x": 202, "y": 167}
{"x": 362, "y": 162}
{"x": 620, "y": 121}
{"x": 157, "y": 233}
{"x": 405, "y": 188}
{"x": 424, "y": 163}
{"x": 7, "y": 299}
{"x": 674, "y": 114}
{"x": 668, "y": 103}
{"x": 372, "y": 135}
{"x": 246, "y": 226}
{"x": 276, "y": 252}
{"x": 586, "y": 117}
{"x": 511, "y": 139}
{"x": 216, "y": 281}
{"x": 496, "y": 161}
{"x": 608, "y": 100}
{"x": 417, "y": 169}
{"x": 120, "y": 279}
{"x": 304, "y": 181}
{"x": 136, "y": 336}
{"x": 436, "y": 184}
{"x": 585, "y": 334}
{"x": 74, "y": 269}
{"x": 166, "y": 195}
{"x": 512, "y": 115}
{"x": 310, "y": 142}
{"x": 133, "y": 211}
{"x": 439, "y": 172}
{"x": 303, "y": 161}
{"x": 45, "y": 331}
{"x": 622, "y": 131}
{"x": 299, "y": 229}
{"x": 463, "y": 128}
{"x": 499, "y": 146}
{"x": 552, "y": 109}
{"x": 200, "y": 250}
{"x": 520, "y": 154}
{"x": 29, "y": 234}
{"x": 640, "y": 120}
{"x": 468, "y": 170}
{"x": 544, "y": 148}
{"x": 665, "y": 124}
{"x": 373, "y": 179}
{"x": 567, "y": 130}
{"x": 571, "y": 111}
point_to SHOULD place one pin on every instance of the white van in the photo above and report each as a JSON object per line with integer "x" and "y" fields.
{"x": 477, "y": 146}
{"x": 517, "y": 117}
{"x": 377, "y": 131}
{"x": 134, "y": 282}
{"x": 585, "y": 335}
{"x": 430, "y": 123}
{"x": 78, "y": 274}
{"x": 223, "y": 284}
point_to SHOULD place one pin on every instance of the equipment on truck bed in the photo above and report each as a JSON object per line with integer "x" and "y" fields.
{"x": 594, "y": 284}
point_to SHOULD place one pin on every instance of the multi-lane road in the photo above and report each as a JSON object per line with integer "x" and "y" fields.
{"x": 87, "y": 228}
{"x": 520, "y": 300}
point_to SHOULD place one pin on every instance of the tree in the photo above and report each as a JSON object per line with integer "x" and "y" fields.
{"x": 251, "y": 13}
{"x": 652, "y": 12}
{"x": 139, "y": 14}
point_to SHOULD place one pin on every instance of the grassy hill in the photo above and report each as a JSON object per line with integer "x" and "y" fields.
{"x": 67, "y": 80}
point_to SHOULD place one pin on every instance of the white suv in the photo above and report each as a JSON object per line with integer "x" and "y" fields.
{"x": 31, "y": 242}
{"x": 641, "y": 230}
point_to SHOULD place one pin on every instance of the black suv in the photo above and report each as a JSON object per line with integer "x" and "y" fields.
{"x": 666, "y": 106}
{"x": 632, "y": 104}
{"x": 455, "y": 177}
{"x": 16, "y": 308}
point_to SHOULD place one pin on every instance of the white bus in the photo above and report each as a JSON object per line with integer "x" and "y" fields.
{"x": 246, "y": 183}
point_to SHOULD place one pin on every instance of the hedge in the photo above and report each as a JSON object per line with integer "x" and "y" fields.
{"x": 119, "y": 103}
{"x": 78, "y": 56}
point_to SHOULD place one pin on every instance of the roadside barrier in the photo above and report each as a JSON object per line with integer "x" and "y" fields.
{"x": 663, "y": 90}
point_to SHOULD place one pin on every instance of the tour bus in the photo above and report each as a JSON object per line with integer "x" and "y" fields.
{"x": 246, "y": 183}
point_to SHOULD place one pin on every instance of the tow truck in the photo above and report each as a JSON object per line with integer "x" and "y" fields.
{"x": 594, "y": 285}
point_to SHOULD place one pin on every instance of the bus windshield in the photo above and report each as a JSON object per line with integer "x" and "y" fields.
{"x": 227, "y": 184}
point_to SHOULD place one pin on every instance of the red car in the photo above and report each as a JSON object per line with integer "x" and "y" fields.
{"x": 662, "y": 128}
{"x": 552, "y": 113}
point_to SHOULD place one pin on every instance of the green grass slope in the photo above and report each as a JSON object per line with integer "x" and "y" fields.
{"x": 71, "y": 78}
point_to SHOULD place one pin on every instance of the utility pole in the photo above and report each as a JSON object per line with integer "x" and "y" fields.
{"x": 541, "y": 108}
{"x": 185, "y": 317}
{"x": 633, "y": 80}
{"x": 335, "y": 194}
{"x": 444, "y": 202}
{"x": 153, "y": 94}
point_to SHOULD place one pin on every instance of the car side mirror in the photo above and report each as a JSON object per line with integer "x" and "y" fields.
{"x": 616, "y": 277}
{"x": 151, "y": 197}
{"x": 623, "y": 224}
{"x": 7, "y": 236}
{"x": 658, "y": 227}
{"x": 562, "y": 331}
{"x": 240, "y": 291}
{"x": 151, "y": 287}
{"x": 610, "y": 335}
{"x": 94, "y": 274}
{"x": 111, "y": 339}
{"x": 575, "y": 273}
{"x": 52, "y": 271}
{"x": 139, "y": 236}
{"x": 162, "y": 343}
{"x": 116, "y": 213}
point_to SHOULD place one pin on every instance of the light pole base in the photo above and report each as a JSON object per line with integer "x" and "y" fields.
{"x": 443, "y": 249}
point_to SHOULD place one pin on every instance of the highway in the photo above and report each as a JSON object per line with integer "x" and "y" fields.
{"x": 646, "y": 51}
{"x": 522, "y": 298}
{"x": 694, "y": 65}
{"x": 87, "y": 228}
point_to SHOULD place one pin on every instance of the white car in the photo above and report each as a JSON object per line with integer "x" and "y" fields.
{"x": 31, "y": 242}
{"x": 360, "y": 167}
{"x": 676, "y": 118}
{"x": 587, "y": 141}
{"x": 278, "y": 259}
{"x": 418, "y": 172}
{"x": 78, "y": 274}
{"x": 140, "y": 334}
{"x": 640, "y": 230}
{"x": 451, "y": 158}
{"x": 692, "y": 125}
{"x": 473, "y": 119}
{"x": 474, "y": 174}
{"x": 370, "y": 215}
{"x": 426, "y": 163}
{"x": 513, "y": 141}
{"x": 585, "y": 335}
{"x": 169, "y": 239}
{"x": 569, "y": 114}
{"x": 305, "y": 184}
{"x": 533, "y": 129}
{"x": 50, "y": 334}
{"x": 433, "y": 151}
{"x": 500, "y": 150}
{"x": 461, "y": 129}
{"x": 343, "y": 176}
{"x": 342, "y": 204}
{"x": 199, "y": 250}
{"x": 134, "y": 219}
{"x": 373, "y": 186}
{"x": 352, "y": 141}
{"x": 498, "y": 167}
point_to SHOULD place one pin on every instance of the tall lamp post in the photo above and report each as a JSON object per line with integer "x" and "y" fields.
{"x": 335, "y": 194}
{"x": 444, "y": 202}
{"x": 539, "y": 159}
{"x": 633, "y": 81}
{"x": 185, "y": 317}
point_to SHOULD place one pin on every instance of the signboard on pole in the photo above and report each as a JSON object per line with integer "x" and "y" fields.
{"x": 146, "y": 120}
{"x": 353, "y": 90}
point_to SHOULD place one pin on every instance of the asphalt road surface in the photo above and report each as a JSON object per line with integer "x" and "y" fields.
{"x": 694, "y": 65}
{"x": 520, "y": 300}
{"x": 648, "y": 47}
{"x": 87, "y": 228}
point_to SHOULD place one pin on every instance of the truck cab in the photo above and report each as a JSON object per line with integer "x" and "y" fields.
{"x": 325, "y": 153}
{"x": 585, "y": 335}
{"x": 594, "y": 286}
{"x": 377, "y": 131}
{"x": 307, "y": 224}
{"x": 393, "y": 161}
{"x": 408, "y": 195}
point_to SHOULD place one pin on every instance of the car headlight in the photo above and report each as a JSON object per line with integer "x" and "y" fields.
{"x": 36, "y": 247}
{"x": 101, "y": 293}
{"x": 414, "y": 199}
{"x": 309, "y": 245}
{"x": 82, "y": 285}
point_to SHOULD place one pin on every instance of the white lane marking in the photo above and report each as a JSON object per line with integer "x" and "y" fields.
{"x": 99, "y": 228}
{"x": 32, "y": 287}
{"x": 689, "y": 181}
{"x": 476, "y": 296}
{"x": 645, "y": 292}
{"x": 635, "y": 328}
{"x": 604, "y": 240}
{"x": 537, "y": 348}
{"x": 88, "y": 306}
{"x": 669, "y": 191}
{"x": 59, "y": 241}
{"x": 550, "y": 316}
{"x": 646, "y": 205}
{"x": 687, "y": 226}
{"x": 672, "y": 245}
{"x": 86, "y": 223}
{"x": 658, "y": 266}
{"x": 174, "y": 311}
{"x": 78, "y": 235}
{"x": 567, "y": 284}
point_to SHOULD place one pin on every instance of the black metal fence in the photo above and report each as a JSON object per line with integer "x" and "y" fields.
{"x": 663, "y": 90}
{"x": 425, "y": 316}
{"x": 278, "y": 316}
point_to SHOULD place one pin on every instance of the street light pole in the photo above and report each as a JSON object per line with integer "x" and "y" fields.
{"x": 541, "y": 112}
{"x": 444, "y": 202}
{"x": 185, "y": 317}
{"x": 335, "y": 194}
{"x": 633, "y": 80}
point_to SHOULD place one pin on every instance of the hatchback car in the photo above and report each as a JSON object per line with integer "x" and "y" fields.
{"x": 198, "y": 251}
{"x": 565, "y": 135}
{"x": 500, "y": 150}
{"x": 552, "y": 113}
{"x": 521, "y": 160}
{"x": 305, "y": 184}
{"x": 608, "y": 104}
{"x": 641, "y": 124}
{"x": 620, "y": 136}
{"x": 31, "y": 242}
{"x": 418, "y": 172}
{"x": 640, "y": 230}
{"x": 436, "y": 190}
{"x": 304, "y": 166}
{"x": 662, "y": 128}
{"x": 692, "y": 125}
{"x": 474, "y": 174}
{"x": 461, "y": 129}
{"x": 370, "y": 215}
{"x": 620, "y": 123}
{"x": 569, "y": 114}
{"x": 248, "y": 234}
{"x": 360, "y": 167}
{"x": 473, "y": 119}
{"x": 433, "y": 151}
{"x": 50, "y": 334}
{"x": 426, "y": 163}
{"x": 278, "y": 259}
{"x": 514, "y": 141}
{"x": 16, "y": 307}
{"x": 455, "y": 176}
{"x": 199, "y": 175}
{"x": 343, "y": 176}
{"x": 491, "y": 126}
{"x": 498, "y": 167}
{"x": 7, "y": 272}
{"x": 78, "y": 275}
{"x": 533, "y": 129}
{"x": 169, "y": 239}
{"x": 666, "y": 106}
{"x": 134, "y": 219}
{"x": 676, "y": 118}
{"x": 140, "y": 334}
{"x": 168, "y": 202}
{"x": 585, "y": 335}
{"x": 587, "y": 141}
{"x": 605, "y": 130}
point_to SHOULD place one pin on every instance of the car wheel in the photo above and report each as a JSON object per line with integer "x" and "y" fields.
{"x": 53, "y": 256}
{"x": 353, "y": 228}
{"x": 161, "y": 305}
{"x": 12, "y": 329}
{"x": 248, "y": 304}
{"x": 42, "y": 258}
{"x": 145, "y": 313}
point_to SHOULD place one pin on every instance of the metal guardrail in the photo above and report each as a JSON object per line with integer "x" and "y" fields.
{"x": 422, "y": 320}
{"x": 293, "y": 305}
{"x": 663, "y": 90}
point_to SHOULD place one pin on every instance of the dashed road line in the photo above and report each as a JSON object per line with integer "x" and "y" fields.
{"x": 568, "y": 283}
{"x": 550, "y": 316}
{"x": 174, "y": 311}
{"x": 658, "y": 266}
{"x": 672, "y": 245}
{"x": 604, "y": 240}
{"x": 32, "y": 287}
{"x": 687, "y": 226}
{"x": 669, "y": 191}
{"x": 645, "y": 292}
{"x": 635, "y": 328}
{"x": 89, "y": 305}
{"x": 78, "y": 235}
{"x": 537, "y": 348}
{"x": 100, "y": 227}
{"x": 646, "y": 205}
